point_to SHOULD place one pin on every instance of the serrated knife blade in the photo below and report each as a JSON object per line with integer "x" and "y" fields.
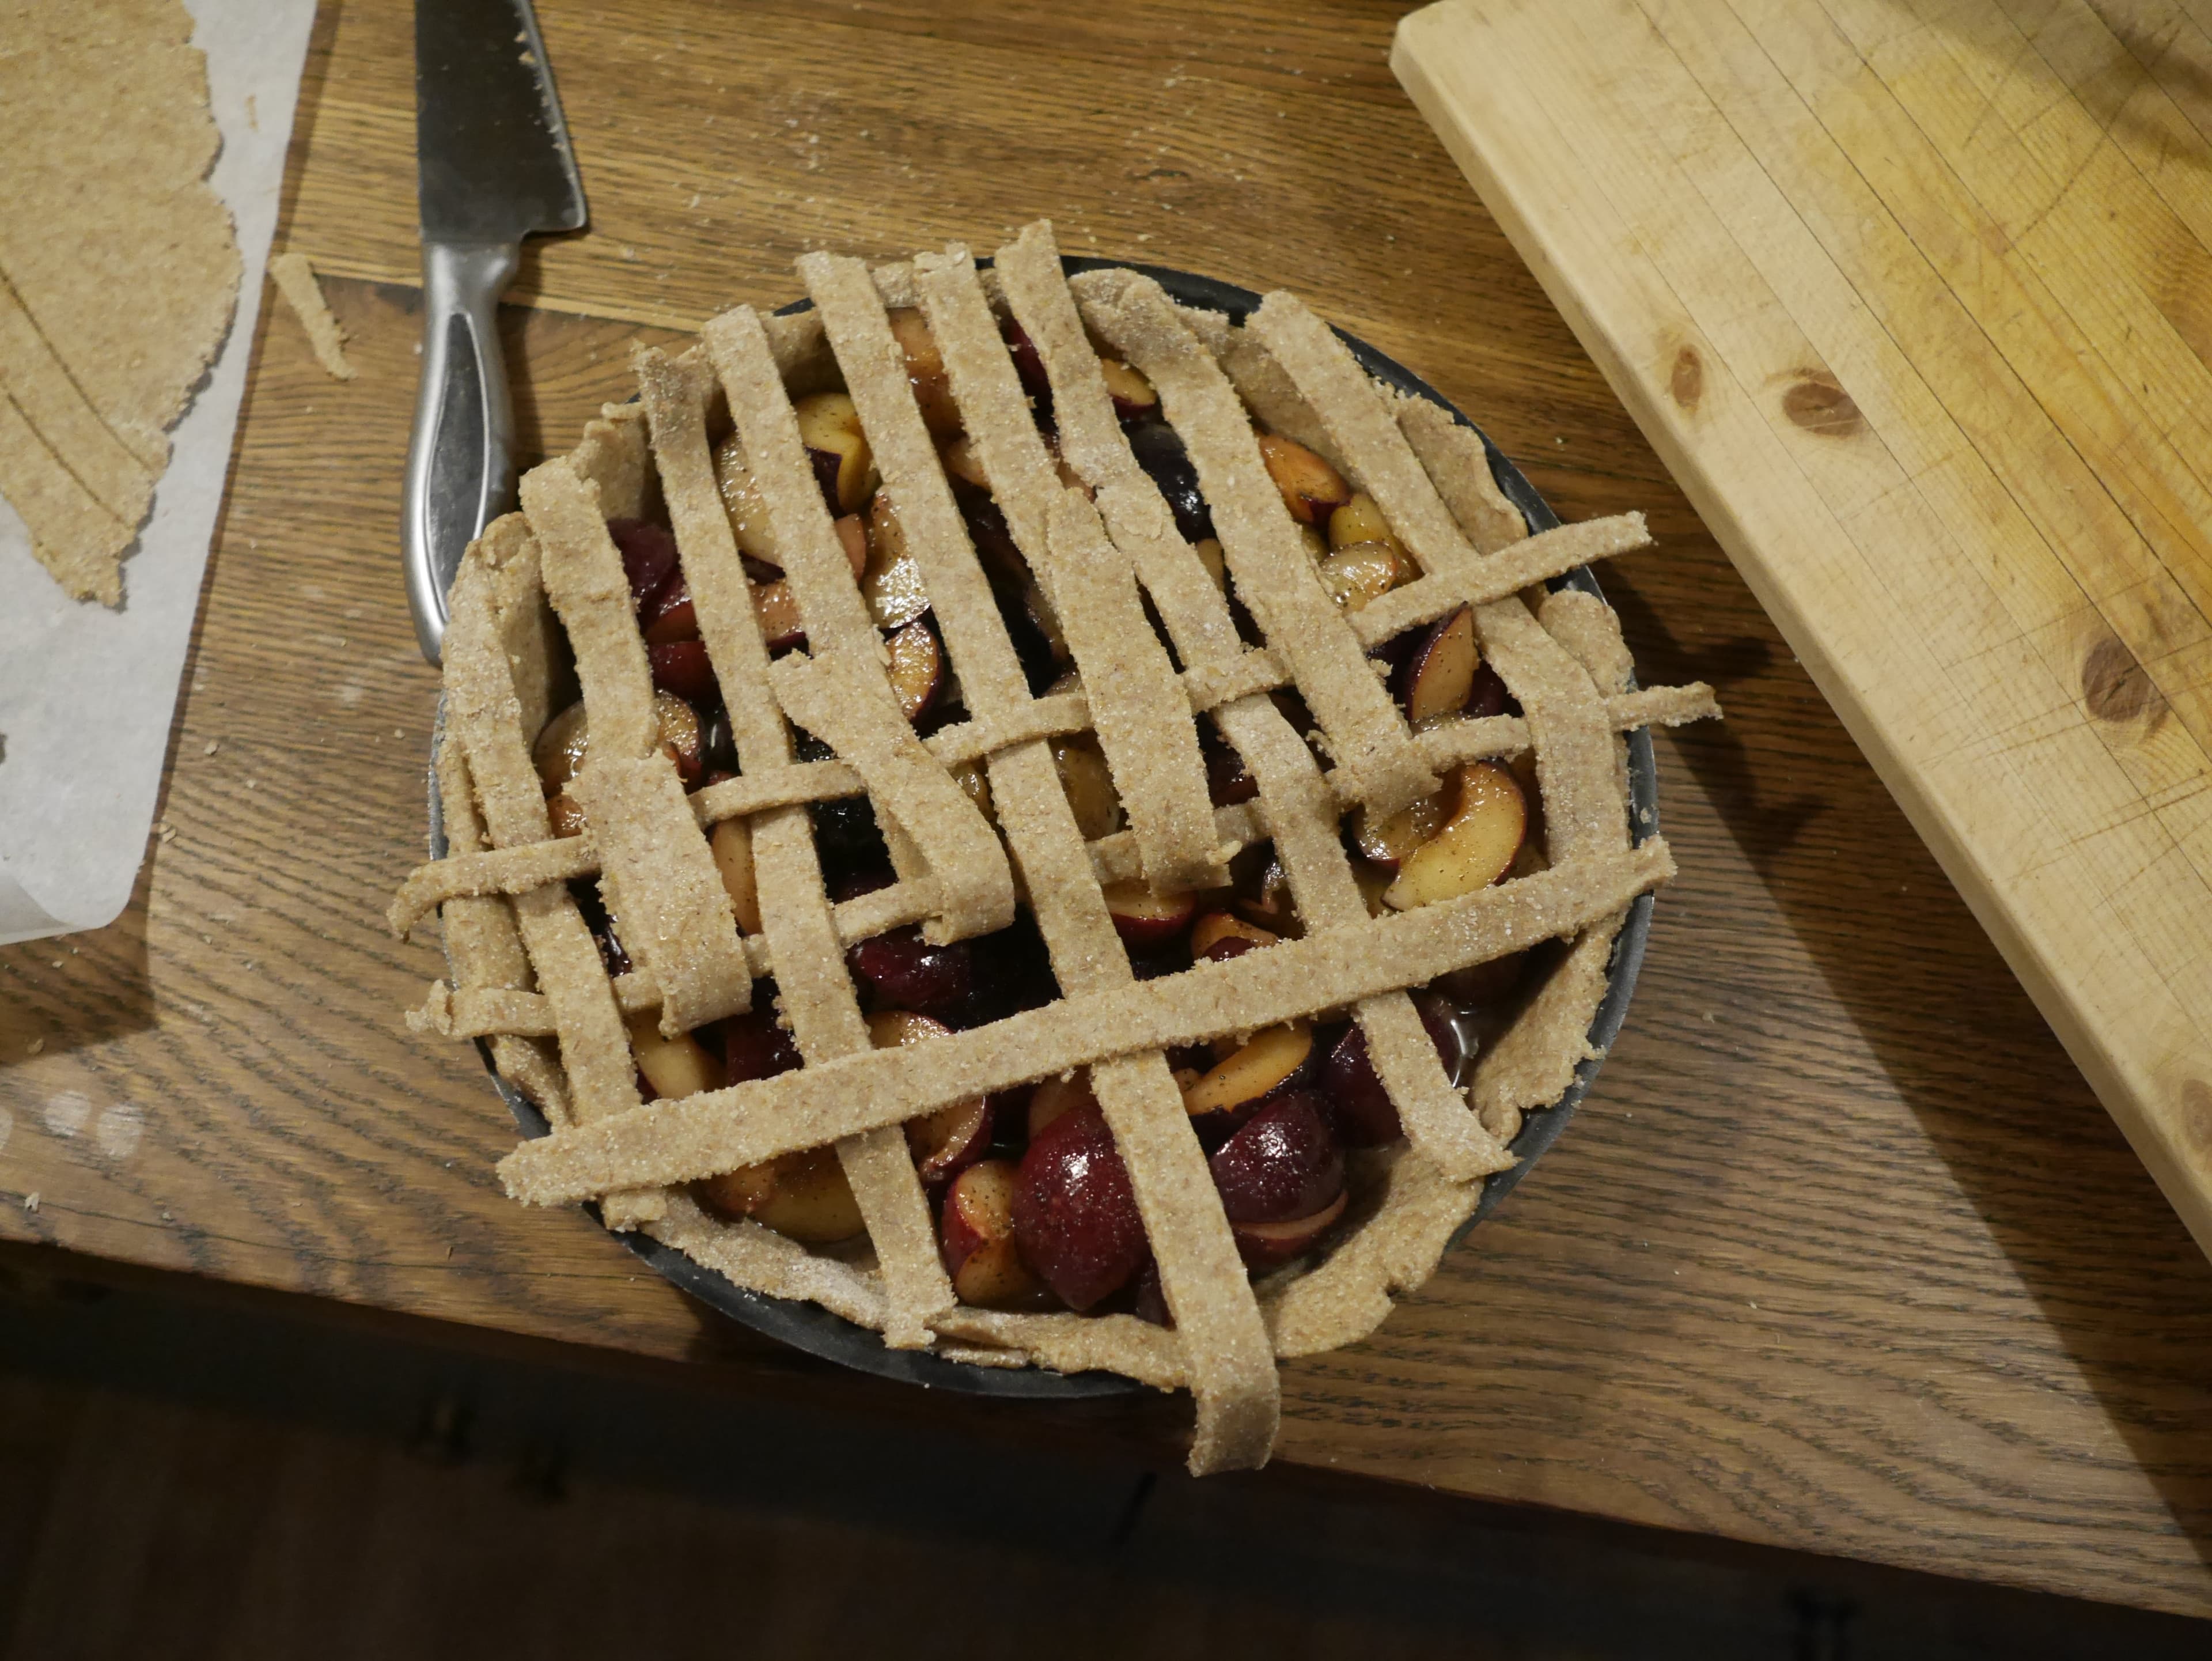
{"x": 491, "y": 148}
{"x": 494, "y": 165}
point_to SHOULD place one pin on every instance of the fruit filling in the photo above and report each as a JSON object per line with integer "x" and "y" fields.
{"x": 1033, "y": 1207}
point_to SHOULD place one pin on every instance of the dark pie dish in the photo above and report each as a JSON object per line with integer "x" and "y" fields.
{"x": 1474, "y": 1028}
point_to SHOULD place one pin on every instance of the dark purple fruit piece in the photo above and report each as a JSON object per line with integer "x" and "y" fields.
{"x": 1010, "y": 1121}
{"x": 1157, "y": 966}
{"x": 648, "y": 555}
{"x": 827, "y": 464}
{"x": 1075, "y": 1214}
{"x": 670, "y": 614}
{"x": 1227, "y": 782}
{"x": 1029, "y": 364}
{"x": 850, "y": 885}
{"x": 611, "y": 955}
{"x": 847, "y": 831}
{"x": 1161, "y": 454}
{"x": 753, "y": 1045}
{"x": 680, "y": 666}
{"x": 1271, "y": 1064}
{"x": 846, "y": 828}
{"x": 585, "y": 891}
{"x": 1395, "y": 650}
{"x": 1264, "y": 1246}
{"x": 1365, "y": 1115}
{"x": 719, "y": 752}
{"x": 1285, "y": 1163}
{"x": 1482, "y": 983}
{"x": 1488, "y": 695}
{"x": 1152, "y": 1298}
{"x": 904, "y": 971}
{"x": 1008, "y": 573}
{"x": 1295, "y": 710}
{"x": 992, "y": 539}
{"x": 1013, "y": 972}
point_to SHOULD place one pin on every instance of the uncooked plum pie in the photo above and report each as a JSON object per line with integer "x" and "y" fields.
{"x": 1059, "y": 827}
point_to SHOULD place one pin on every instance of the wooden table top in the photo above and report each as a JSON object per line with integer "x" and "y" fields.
{"x": 1841, "y": 1253}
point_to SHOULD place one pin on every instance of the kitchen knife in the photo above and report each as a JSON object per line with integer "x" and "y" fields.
{"x": 494, "y": 167}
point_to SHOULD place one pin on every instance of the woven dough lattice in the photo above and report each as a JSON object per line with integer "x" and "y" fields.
{"x": 711, "y": 884}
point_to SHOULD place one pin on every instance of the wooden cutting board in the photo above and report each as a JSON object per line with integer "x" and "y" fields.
{"x": 1915, "y": 298}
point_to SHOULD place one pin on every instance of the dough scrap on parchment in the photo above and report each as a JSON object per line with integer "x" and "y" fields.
{"x": 119, "y": 270}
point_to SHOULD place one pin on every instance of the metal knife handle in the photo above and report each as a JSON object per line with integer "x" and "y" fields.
{"x": 460, "y": 458}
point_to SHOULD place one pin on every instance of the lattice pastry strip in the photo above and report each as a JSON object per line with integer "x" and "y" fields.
{"x": 484, "y": 930}
{"x": 525, "y": 967}
{"x": 744, "y": 357}
{"x": 1230, "y": 1371}
{"x": 678, "y": 1140}
{"x": 1567, "y": 719}
{"x": 1116, "y": 857}
{"x": 1142, "y": 717}
{"x": 482, "y": 716}
{"x": 1139, "y": 713}
{"x": 1363, "y": 437}
{"x": 1209, "y": 683}
{"x": 833, "y": 697}
{"x": 1582, "y": 790}
{"x": 499, "y": 630}
{"x": 1533, "y": 1061}
{"x": 1144, "y": 726}
{"x": 1301, "y": 810}
{"x": 485, "y": 935}
{"x": 660, "y": 884}
{"x": 1363, "y": 730}
{"x": 816, "y": 993}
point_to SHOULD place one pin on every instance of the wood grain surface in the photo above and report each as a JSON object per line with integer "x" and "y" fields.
{"x": 1841, "y": 1253}
{"x": 1903, "y": 294}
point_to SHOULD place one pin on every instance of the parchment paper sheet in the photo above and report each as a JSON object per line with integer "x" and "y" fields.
{"x": 86, "y": 694}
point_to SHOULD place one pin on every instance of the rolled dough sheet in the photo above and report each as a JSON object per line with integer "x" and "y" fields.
{"x": 87, "y": 693}
{"x": 118, "y": 270}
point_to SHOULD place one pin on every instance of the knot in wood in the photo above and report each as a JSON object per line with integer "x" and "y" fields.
{"x": 1817, "y": 402}
{"x": 1687, "y": 383}
{"x": 2196, "y": 1117}
{"x": 2114, "y": 685}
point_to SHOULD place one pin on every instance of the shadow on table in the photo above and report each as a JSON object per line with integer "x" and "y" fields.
{"x": 288, "y": 1475}
{"x": 71, "y": 991}
{"x": 74, "y": 991}
{"x": 2109, "y": 1265}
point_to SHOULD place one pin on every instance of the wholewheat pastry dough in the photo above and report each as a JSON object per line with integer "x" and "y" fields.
{"x": 118, "y": 271}
{"x": 542, "y": 595}
{"x": 295, "y": 276}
